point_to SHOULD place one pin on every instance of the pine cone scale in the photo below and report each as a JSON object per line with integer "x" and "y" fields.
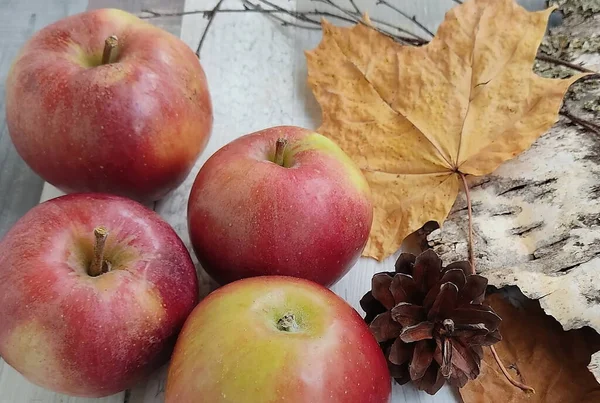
{"x": 446, "y": 358}
{"x": 455, "y": 276}
{"x": 445, "y": 302}
{"x": 474, "y": 289}
{"x": 380, "y": 288}
{"x": 405, "y": 263}
{"x": 400, "y": 352}
{"x": 418, "y": 332}
{"x": 407, "y": 314}
{"x": 421, "y": 359}
{"x": 431, "y": 382}
{"x": 474, "y": 314}
{"x": 404, "y": 288}
{"x": 465, "y": 360}
{"x": 427, "y": 270}
{"x": 384, "y": 327}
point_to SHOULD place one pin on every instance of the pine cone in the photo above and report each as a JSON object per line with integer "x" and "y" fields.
{"x": 430, "y": 321}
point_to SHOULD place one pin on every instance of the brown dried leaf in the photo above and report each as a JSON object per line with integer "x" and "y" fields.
{"x": 539, "y": 353}
{"x": 413, "y": 118}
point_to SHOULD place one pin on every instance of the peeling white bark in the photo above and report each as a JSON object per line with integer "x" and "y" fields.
{"x": 537, "y": 226}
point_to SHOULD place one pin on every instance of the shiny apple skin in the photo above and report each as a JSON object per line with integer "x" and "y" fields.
{"x": 248, "y": 216}
{"x": 133, "y": 127}
{"x": 92, "y": 336}
{"x": 230, "y": 349}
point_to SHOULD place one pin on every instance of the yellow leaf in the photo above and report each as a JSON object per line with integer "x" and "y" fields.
{"x": 415, "y": 118}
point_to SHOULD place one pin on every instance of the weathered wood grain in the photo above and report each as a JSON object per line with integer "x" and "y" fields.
{"x": 257, "y": 76}
{"x": 20, "y": 188}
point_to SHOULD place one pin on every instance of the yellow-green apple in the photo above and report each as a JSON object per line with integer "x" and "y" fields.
{"x": 93, "y": 292}
{"x": 105, "y": 102}
{"x": 281, "y": 201}
{"x": 276, "y": 339}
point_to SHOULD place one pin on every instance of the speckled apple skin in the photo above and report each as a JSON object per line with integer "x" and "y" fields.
{"x": 92, "y": 336}
{"x": 309, "y": 218}
{"x": 230, "y": 350}
{"x": 133, "y": 127}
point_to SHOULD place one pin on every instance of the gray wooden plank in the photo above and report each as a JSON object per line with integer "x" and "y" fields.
{"x": 20, "y": 187}
{"x": 171, "y": 24}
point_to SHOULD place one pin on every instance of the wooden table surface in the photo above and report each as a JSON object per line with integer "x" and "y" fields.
{"x": 257, "y": 77}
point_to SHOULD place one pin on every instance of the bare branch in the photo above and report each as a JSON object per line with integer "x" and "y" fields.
{"x": 357, "y": 18}
{"x": 348, "y": 17}
{"x": 594, "y": 128}
{"x": 284, "y": 22}
{"x": 554, "y": 60}
{"x": 147, "y": 14}
{"x": 211, "y": 17}
{"x": 356, "y": 10}
{"x": 402, "y": 13}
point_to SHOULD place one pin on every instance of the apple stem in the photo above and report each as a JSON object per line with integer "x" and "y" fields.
{"x": 288, "y": 323}
{"x": 96, "y": 268}
{"x": 109, "y": 44}
{"x": 279, "y": 149}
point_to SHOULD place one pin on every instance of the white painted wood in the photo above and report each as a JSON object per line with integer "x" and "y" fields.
{"x": 257, "y": 76}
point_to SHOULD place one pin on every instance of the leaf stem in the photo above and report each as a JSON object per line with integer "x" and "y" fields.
{"x": 470, "y": 214}
{"x": 514, "y": 382}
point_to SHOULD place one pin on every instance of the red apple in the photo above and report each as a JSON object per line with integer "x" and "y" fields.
{"x": 307, "y": 216}
{"x": 86, "y": 313}
{"x": 276, "y": 339}
{"x": 132, "y": 124}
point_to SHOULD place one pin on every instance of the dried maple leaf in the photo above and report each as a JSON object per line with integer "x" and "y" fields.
{"x": 415, "y": 118}
{"x": 538, "y": 352}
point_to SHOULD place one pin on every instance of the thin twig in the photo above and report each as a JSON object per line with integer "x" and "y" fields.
{"x": 554, "y": 60}
{"x": 472, "y": 262}
{"x": 402, "y": 13}
{"x": 349, "y": 18}
{"x": 581, "y": 122}
{"x": 358, "y": 19}
{"x": 211, "y": 17}
{"x": 470, "y": 214}
{"x": 284, "y": 22}
{"x": 355, "y": 7}
{"x": 157, "y": 14}
{"x": 516, "y": 383}
{"x": 458, "y": 1}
